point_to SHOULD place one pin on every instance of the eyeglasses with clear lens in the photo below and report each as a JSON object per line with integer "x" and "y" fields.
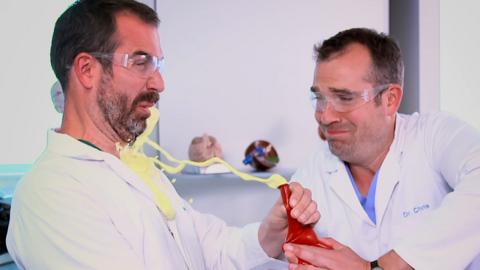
{"x": 344, "y": 101}
{"x": 144, "y": 65}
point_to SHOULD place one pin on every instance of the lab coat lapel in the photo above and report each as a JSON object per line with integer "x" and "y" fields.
{"x": 181, "y": 220}
{"x": 386, "y": 183}
{"x": 339, "y": 181}
{"x": 187, "y": 232}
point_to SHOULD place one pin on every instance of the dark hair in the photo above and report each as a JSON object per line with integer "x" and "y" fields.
{"x": 384, "y": 51}
{"x": 90, "y": 26}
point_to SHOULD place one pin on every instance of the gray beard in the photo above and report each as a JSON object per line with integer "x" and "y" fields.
{"x": 116, "y": 112}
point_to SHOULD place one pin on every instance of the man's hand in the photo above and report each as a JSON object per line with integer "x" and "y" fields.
{"x": 339, "y": 258}
{"x": 273, "y": 230}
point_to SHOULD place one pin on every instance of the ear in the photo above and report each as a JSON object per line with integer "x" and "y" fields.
{"x": 85, "y": 67}
{"x": 393, "y": 98}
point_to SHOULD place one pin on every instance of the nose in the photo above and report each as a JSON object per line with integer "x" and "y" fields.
{"x": 155, "y": 82}
{"x": 327, "y": 116}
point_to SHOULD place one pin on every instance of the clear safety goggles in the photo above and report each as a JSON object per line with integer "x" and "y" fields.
{"x": 144, "y": 65}
{"x": 344, "y": 100}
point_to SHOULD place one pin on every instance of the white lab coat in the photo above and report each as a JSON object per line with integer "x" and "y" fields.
{"x": 80, "y": 208}
{"x": 427, "y": 199}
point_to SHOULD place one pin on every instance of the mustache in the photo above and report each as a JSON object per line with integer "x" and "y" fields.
{"x": 150, "y": 96}
{"x": 335, "y": 126}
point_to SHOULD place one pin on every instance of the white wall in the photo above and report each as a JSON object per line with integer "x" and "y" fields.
{"x": 459, "y": 58}
{"x": 26, "y": 77}
{"x": 241, "y": 70}
{"x": 429, "y": 50}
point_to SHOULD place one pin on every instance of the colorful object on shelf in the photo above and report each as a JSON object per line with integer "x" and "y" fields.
{"x": 297, "y": 232}
{"x": 261, "y": 155}
{"x": 134, "y": 157}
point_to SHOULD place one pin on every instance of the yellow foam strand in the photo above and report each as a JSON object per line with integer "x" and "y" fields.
{"x": 134, "y": 157}
{"x": 274, "y": 181}
{"x": 144, "y": 167}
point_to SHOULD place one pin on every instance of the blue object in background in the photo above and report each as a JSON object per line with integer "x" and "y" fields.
{"x": 259, "y": 152}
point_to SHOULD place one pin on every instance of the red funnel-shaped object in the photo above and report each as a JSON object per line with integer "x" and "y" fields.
{"x": 297, "y": 232}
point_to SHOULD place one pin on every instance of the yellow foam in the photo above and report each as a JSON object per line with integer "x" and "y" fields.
{"x": 134, "y": 157}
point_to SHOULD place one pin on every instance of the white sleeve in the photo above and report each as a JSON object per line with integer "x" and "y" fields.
{"x": 227, "y": 247}
{"x": 449, "y": 236}
{"x": 61, "y": 227}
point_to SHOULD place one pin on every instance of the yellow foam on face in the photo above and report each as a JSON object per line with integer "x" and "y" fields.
{"x": 134, "y": 157}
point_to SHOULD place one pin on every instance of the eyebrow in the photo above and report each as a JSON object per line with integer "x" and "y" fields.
{"x": 344, "y": 91}
{"x": 140, "y": 53}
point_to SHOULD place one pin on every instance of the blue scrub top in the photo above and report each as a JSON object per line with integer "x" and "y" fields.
{"x": 368, "y": 203}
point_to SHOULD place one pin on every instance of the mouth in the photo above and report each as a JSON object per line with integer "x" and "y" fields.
{"x": 144, "y": 107}
{"x": 145, "y": 101}
{"x": 146, "y": 104}
{"x": 333, "y": 133}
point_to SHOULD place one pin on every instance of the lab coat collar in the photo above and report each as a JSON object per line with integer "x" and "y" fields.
{"x": 68, "y": 146}
{"x": 337, "y": 177}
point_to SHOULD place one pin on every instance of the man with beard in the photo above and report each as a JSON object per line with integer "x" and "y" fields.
{"x": 81, "y": 207}
{"x": 394, "y": 191}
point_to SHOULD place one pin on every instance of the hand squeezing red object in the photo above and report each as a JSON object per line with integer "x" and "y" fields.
{"x": 297, "y": 232}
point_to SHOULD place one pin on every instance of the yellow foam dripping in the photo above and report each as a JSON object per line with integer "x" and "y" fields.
{"x": 134, "y": 157}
